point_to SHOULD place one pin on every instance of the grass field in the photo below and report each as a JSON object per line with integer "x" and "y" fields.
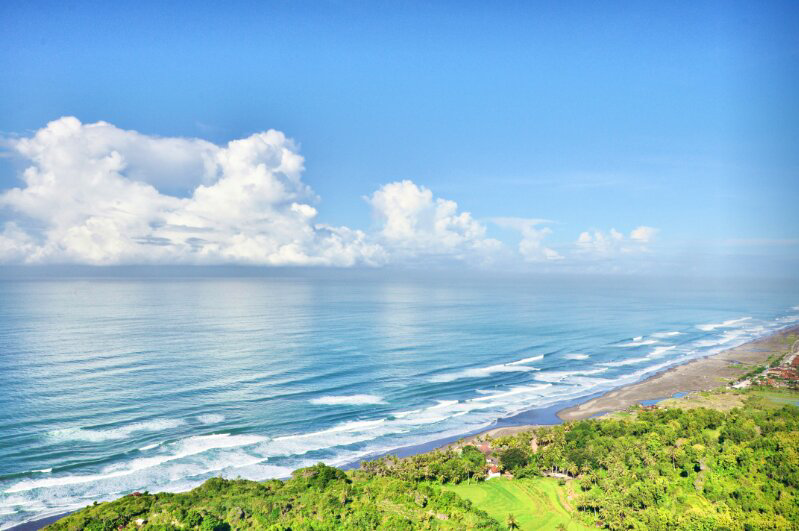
{"x": 779, "y": 397}
{"x": 536, "y": 503}
{"x": 725, "y": 399}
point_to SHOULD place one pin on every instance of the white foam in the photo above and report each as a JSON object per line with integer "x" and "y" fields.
{"x": 44, "y": 470}
{"x": 646, "y": 370}
{"x": 443, "y": 403}
{"x": 403, "y": 414}
{"x": 211, "y": 418}
{"x": 148, "y": 447}
{"x": 638, "y": 342}
{"x": 353, "y": 426}
{"x": 726, "y": 337}
{"x": 666, "y": 334}
{"x": 349, "y": 400}
{"x": 527, "y": 360}
{"x": 122, "y": 432}
{"x": 560, "y": 376}
{"x": 481, "y": 372}
{"x": 659, "y": 351}
{"x": 576, "y": 356}
{"x": 628, "y": 361}
{"x": 726, "y": 324}
{"x": 513, "y": 392}
{"x": 181, "y": 449}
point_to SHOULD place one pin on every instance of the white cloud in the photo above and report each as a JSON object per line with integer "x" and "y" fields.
{"x": 97, "y": 194}
{"x": 643, "y": 234}
{"x": 610, "y": 244}
{"x": 531, "y": 245}
{"x": 91, "y": 196}
{"x": 412, "y": 222}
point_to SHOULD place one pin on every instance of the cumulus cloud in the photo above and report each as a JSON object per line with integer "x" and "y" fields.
{"x": 411, "y": 222}
{"x": 92, "y": 196}
{"x": 531, "y": 245}
{"x": 609, "y": 244}
{"x": 101, "y": 195}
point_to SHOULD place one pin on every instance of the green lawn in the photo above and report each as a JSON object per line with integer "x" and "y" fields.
{"x": 779, "y": 397}
{"x": 536, "y": 503}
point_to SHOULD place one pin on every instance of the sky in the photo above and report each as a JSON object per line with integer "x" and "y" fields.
{"x": 551, "y": 136}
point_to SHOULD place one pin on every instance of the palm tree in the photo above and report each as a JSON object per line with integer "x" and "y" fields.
{"x": 511, "y": 522}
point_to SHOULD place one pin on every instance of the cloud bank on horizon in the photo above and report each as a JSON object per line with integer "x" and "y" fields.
{"x": 93, "y": 195}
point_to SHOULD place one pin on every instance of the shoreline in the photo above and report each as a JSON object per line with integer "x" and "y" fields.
{"x": 699, "y": 374}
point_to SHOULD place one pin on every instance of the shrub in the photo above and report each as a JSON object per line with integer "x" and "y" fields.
{"x": 513, "y": 458}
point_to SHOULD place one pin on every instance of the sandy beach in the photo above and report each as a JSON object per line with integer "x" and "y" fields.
{"x": 697, "y": 375}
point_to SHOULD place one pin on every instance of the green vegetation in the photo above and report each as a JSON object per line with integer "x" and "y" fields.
{"x": 537, "y": 503}
{"x": 776, "y": 397}
{"x": 715, "y": 460}
{"x": 318, "y": 498}
{"x": 679, "y": 468}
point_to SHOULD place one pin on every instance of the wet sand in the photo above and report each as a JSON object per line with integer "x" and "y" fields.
{"x": 698, "y": 375}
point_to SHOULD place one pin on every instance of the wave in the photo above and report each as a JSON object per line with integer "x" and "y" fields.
{"x": 659, "y": 351}
{"x": 628, "y": 361}
{"x": 560, "y": 376}
{"x": 527, "y": 360}
{"x": 481, "y": 372}
{"x": 646, "y": 370}
{"x": 724, "y": 339}
{"x": 187, "y": 447}
{"x": 638, "y": 342}
{"x": 726, "y": 324}
{"x": 149, "y": 447}
{"x": 122, "y": 432}
{"x": 666, "y": 334}
{"x": 512, "y": 392}
{"x": 348, "y": 400}
{"x": 211, "y": 418}
{"x": 44, "y": 470}
{"x": 655, "y": 353}
{"x": 181, "y": 466}
{"x": 576, "y": 356}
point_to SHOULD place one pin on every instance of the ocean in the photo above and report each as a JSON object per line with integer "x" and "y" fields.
{"x": 114, "y": 385}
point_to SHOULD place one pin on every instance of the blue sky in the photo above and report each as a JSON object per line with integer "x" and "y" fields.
{"x": 678, "y": 116}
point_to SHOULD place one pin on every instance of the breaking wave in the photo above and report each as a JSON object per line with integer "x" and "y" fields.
{"x": 121, "y": 432}
{"x": 726, "y": 324}
{"x": 347, "y": 400}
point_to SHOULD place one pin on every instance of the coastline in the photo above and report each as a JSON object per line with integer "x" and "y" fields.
{"x": 700, "y": 374}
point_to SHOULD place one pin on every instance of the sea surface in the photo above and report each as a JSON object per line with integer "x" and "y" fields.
{"x": 109, "y": 386}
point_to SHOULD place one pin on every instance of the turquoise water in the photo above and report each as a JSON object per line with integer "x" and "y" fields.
{"x": 114, "y": 385}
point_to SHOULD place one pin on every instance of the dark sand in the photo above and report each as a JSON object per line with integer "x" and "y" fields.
{"x": 698, "y": 375}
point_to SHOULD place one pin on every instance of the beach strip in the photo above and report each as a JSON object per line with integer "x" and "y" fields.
{"x": 701, "y": 374}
